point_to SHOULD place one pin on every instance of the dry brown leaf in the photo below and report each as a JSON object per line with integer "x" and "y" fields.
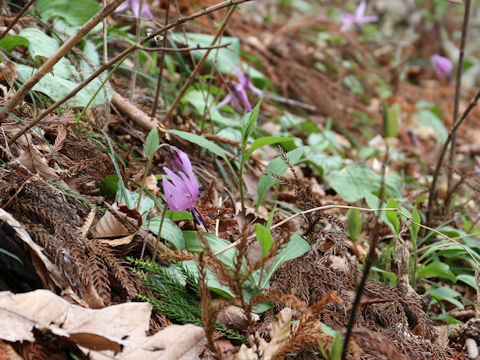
{"x": 117, "y": 331}
{"x": 279, "y": 334}
{"x": 92, "y": 298}
{"x": 109, "y": 226}
{"x": 151, "y": 184}
{"x": 8, "y": 72}
{"x": 118, "y": 242}
{"x": 32, "y": 159}
{"x": 234, "y": 317}
{"x": 87, "y": 224}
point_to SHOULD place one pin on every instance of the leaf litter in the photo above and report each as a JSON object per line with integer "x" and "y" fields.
{"x": 48, "y": 193}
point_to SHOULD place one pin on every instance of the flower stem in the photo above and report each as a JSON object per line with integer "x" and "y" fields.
{"x": 159, "y": 233}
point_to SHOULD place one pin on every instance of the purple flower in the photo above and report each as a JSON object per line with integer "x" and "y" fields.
{"x": 441, "y": 65}
{"x": 238, "y": 91}
{"x": 135, "y": 6}
{"x": 349, "y": 20}
{"x": 181, "y": 190}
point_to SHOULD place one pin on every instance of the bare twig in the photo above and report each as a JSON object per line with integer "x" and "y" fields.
{"x": 117, "y": 58}
{"x": 105, "y": 60}
{"x": 189, "y": 81}
{"x": 455, "y": 126}
{"x": 61, "y": 52}
{"x": 458, "y": 90}
{"x": 20, "y": 14}
{"x": 135, "y": 55}
{"x": 161, "y": 65}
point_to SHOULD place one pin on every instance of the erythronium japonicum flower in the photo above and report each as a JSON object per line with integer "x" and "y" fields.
{"x": 135, "y": 6}
{"x": 238, "y": 91}
{"x": 349, "y": 20}
{"x": 441, "y": 65}
{"x": 181, "y": 190}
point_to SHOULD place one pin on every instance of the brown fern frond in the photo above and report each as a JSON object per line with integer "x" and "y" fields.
{"x": 207, "y": 198}
{"x": 118, "y": 267}
{"x": 208, "y": 316}
{"x": 99, "y": 274}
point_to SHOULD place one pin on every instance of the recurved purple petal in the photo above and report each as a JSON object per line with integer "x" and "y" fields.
{"x": 360, "y": 10}
{"x": 175, "y": 199}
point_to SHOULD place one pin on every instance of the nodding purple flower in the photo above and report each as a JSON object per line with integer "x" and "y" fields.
{"x": 238, "y": 91}
{"x": 182, "y": 189}
{"x": 135, "y": 6}
{"x": 349, "y": 20}
{"x": 441, "y": 65}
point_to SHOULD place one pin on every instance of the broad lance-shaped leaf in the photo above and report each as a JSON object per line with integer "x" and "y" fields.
{"x": 151, "y": 143}
{"x": 264, "y": 238}
{"x": 248, "y": 122}
{"x": 263, "y": 141}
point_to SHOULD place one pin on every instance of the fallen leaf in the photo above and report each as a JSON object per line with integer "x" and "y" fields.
{"x": 108, "y": 226}
{"x": 8, "y": 72}
{"x": 117, "y": 331}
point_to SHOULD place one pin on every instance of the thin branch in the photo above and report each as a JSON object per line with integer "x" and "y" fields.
{"x": 189, "y": 81}
{"x": 161, "y": 65}
{"x": 436, "y": 174}
{"x": 117, "y": 58}
{"x": 198, "y": 47}
{"x": 20, "y": 14}
{"x": 458, "y": 90}
{"x": 105, "y": 60}
{"x": 60, "y": 53}
{"x": 135, "y": 55}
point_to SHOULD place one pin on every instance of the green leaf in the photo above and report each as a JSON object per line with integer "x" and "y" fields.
{"x": 354, "y": 223}
{"x": 10, "y": 42}
{"x": 223, "y": 58}
{"x": 447, "y": 294}
{"x": 264, "y": 238}
{"x": 151, "y": 143}
{"x": 355, "y": 181}
{"x": 13, "y": 256}
{"x": 296, "y": 247}
{"x": 467, "y": 279}
{"x": 277, "y": 167}
{"x": 414, "y": 228}
{"x": 130, "y": 199}
{"x": 170, "y": 231}
{"x": 391, "y": 119}
{"x": 75, "y": 12}
{"x": 437, "y": 269}
{"x": 179, "y": 215}
{"x": 393, "y": 217}
{"x": 426, "y": 118}
{"x": 392, "y": 277}
{"x": 263, "y": 141}
{"x": 109, "y": 185}
{"x": 206, "y": 144}
{"x": 248, "y": 122}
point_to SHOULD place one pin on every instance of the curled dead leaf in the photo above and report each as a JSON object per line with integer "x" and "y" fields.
{"x": 108, "y": 226}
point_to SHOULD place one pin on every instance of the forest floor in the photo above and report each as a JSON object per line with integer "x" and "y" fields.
{"x": 273, "y": 240}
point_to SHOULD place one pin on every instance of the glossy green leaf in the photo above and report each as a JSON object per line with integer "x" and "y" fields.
{"x": 75, "y": 12}
{"x": 151, "y": 143}
{"x": 391, "y": 118}
{"x": 355, "y": 181}
{"x": 447, "y": 294}
{"x": 109, "y": 185}
{"x": 436, "y": 269}
{"x": 264, "y": 238}
{"x": 414, "y": 228}
{"x": 10, "y": 42}
{"x": 263, "y": 141}
{"x": 392, "y": 277}
{"x": 392, "y": 216}
{"x": 467, "y": 279}
{"x": 354, "y": 223}
{"x": 248, "y": 122}
{"x": 170, "y": 231}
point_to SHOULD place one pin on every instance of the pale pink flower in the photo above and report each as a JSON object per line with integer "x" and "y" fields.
{"x": 441, "y": 65}
{"x": 135, "y": 6}
{"x": 349, "y": 20}
{"x": 238, "y": 91}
